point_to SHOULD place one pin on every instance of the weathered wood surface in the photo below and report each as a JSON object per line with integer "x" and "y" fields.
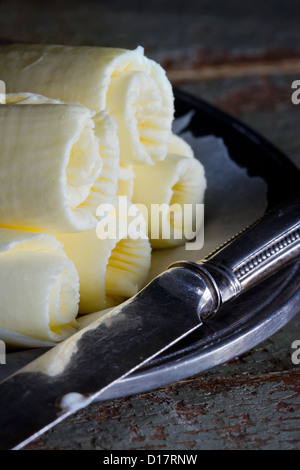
{"x": 243, "y": 58}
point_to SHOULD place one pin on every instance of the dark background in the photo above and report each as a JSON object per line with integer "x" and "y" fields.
{"x": 242, "y": 57}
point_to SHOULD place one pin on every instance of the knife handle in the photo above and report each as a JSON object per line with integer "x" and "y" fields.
{"x": 254, "y": 254}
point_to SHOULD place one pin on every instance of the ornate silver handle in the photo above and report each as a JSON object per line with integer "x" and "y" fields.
{"x": 251, "y": 256}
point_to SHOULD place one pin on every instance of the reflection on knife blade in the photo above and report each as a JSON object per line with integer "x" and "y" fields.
{"x": 95, "y": 357}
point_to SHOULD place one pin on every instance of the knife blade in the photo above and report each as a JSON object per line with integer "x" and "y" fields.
{"x": 73, "y": 374}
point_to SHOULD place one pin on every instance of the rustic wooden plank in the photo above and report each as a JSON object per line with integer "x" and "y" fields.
{"x": 198, "y": 413}
{"x": 182, "y": 32}
{"x": 235, "y": 69}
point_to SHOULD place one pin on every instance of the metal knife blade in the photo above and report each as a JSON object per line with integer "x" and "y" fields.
{"x": 38, "y": 396}
{"x": 76, "y": 372}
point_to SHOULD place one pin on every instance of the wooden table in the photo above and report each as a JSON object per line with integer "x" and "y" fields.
{"x": 242, "y": 58}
